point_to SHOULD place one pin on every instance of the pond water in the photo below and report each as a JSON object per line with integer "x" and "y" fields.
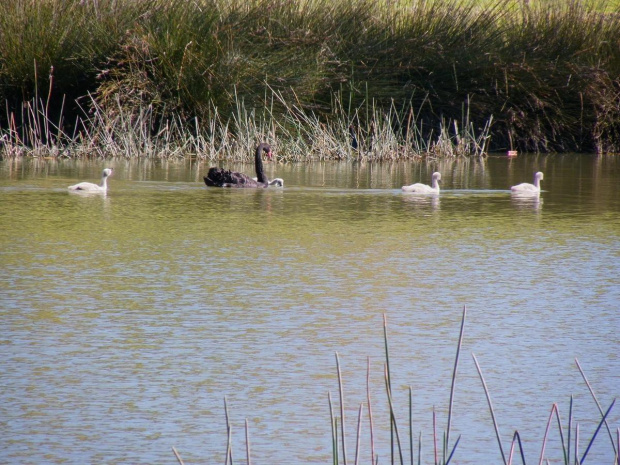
{"x": 127, "y": 319}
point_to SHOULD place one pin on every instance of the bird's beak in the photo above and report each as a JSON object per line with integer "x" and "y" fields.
{"x": 270, "y": 154}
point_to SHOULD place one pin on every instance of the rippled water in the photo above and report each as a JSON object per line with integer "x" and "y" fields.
{"x": 126, "y": 319}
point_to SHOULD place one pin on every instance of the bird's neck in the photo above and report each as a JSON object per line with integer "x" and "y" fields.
{"x": 258, "y": 163}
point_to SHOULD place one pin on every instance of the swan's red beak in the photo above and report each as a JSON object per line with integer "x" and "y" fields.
{"x": 269, "y": 155}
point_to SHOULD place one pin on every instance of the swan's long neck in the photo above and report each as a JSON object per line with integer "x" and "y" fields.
{"x": 435, "y": 183}
{"x": 104, "y": 182}
{"x": 258, "y": 163}
{"x": 537, "y": 178}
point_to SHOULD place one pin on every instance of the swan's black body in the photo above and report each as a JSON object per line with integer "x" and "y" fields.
{"x": 219, "y": 177}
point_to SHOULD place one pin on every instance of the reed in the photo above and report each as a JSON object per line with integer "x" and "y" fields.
{"x": 359, "y": 434}
{"x": 178, "y": 457}
{"x": 448, "y": 453}
{"x": 229, "y": 454}
{"x": 598, "y": 428}
{"x": 598, "y": 404}
{"x": 454, "y": 372}
{"x": 554, "y": 410}
{"x": 334, "y": 424}
{"x": 516, "y": 440}
{"x": 488, "y": 396}
{"x": 373, "y": 455}
{"x": 411, "y": 424}
{"x": 247, "y": 443}
{"x": 296, "y": 135}
{"x": 408, "y": 76}
{"x": 342, "y": 418}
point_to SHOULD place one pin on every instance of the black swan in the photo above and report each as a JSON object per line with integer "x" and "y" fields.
{"x": 90, "y": 187}
{"x": 219, "y": 177}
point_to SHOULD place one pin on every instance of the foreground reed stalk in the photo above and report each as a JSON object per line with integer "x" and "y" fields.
{"x": 342, "y": 419}
{"x": 247, "y": 442}
{"x": 453, "y": 384}
{"x": 488, "y": 396}
{"x": 178, "y": 457}
{"x": 334, "y": 425}
{"x": 598, "y": 404}
{"x": 359, "y": 434}
{"x": 229, "y": 456}
{"x": 372, "y": 437}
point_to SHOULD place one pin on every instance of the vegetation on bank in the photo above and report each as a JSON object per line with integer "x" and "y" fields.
{"x": 403, "y": 78}
{"x": 406, "y": 444}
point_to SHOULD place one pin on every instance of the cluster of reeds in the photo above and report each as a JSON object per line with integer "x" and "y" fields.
{"x": 537, "y": 75}
{"x": 445, "y": 449}
{"x": 296, "y": 134}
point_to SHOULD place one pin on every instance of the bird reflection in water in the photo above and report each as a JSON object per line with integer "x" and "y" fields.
{"x": 527, "y": 201}
{"x": 423, "y": 201}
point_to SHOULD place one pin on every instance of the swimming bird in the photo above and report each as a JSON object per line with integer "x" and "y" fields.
{"x": 90, "y": 187}
{"x": 527, "y": 188}
{"x": 419, "y": 188}
{"x": 219, "y": 177}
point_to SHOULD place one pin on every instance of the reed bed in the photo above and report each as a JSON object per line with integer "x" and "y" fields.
{"x": 575, "y": 449}
{"x": 295, "y": 135}
{"x": 170, "y": 78}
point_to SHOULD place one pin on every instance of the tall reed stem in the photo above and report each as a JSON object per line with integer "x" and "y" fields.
{"x": 393, "y": 416}
{"x": 603, "y": 421}
{"x": 570, "y": 427}
{"x": 342, "y": 420}
{"x": 600, "y": 409}
{"x": 516, "y": 438}
{"x": 410, "y": 425}
{"x": 388, "y": 381}
{"x": 372, "y": 437}
{"x": 554, "y": 409}
{"x": 359, "y": 434}
{"x": 229, "y": 455}
{"x": 176, "y": 454}
{"x": 488, "y": 395}
{"x": 456, "y": 365}
{"x": 334, "y": 426}
{"x": 435, "y": 436}
{"x": 247, "y": 442}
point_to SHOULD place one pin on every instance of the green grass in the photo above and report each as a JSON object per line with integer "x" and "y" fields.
{"x": 544, "y": 73}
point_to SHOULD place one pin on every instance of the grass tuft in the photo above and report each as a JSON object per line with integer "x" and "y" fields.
{"x": 411, "y": 78}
